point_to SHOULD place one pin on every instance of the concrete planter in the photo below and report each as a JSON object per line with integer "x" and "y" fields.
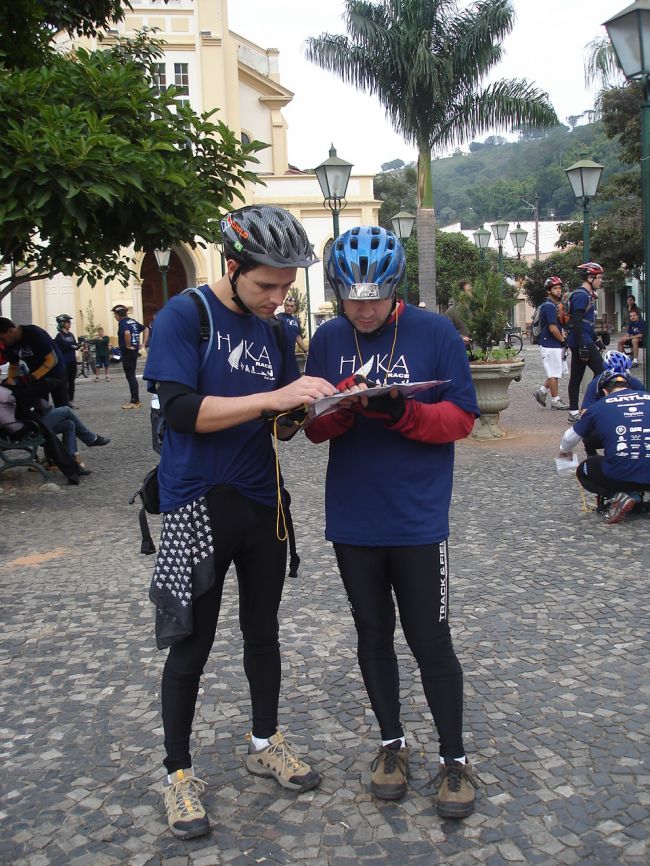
{"x": 491, "y": 382}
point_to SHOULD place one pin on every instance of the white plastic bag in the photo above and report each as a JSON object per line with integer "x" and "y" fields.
{"x": 566, "y": 468}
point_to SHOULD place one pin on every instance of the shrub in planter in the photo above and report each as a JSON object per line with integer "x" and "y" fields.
{"x": 486, "y": 312}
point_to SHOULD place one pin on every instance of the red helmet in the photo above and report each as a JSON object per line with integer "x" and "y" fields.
{"x": 552, "y": 281}
{"x": 591, "y": 269}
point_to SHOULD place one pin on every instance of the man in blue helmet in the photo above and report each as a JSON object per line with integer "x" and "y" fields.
{"x": 218, "y": 492}
{"x": 584, "y": 345}
{"x": 388, "y": 491}
{"x": 620, "y": 420}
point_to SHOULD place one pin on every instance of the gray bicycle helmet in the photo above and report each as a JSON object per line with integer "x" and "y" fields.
{"x": 266, "y": 235}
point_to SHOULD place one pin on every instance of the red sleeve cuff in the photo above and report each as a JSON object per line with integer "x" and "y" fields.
{"x": 435, "y": 423}
{"x": 329, "y": 426}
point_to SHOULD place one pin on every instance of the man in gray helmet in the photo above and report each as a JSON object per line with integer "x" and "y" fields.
{"x": 218, "y": 489}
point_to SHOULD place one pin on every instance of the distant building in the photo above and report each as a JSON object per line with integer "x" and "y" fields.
{"x": 213, "y": 68}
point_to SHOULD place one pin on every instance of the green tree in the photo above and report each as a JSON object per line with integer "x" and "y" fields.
{"x": 560, "y": 264}
{"x": 93, "y": 160}
{"x": 426, "y": 60}
{"x": 456, "y": 259}
{"x": 486, "y": 309}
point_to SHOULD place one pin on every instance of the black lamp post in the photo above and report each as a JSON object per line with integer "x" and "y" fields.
{"x": 500, "y": 231}
{"x": 333, "y": 176}
{"x": 629, "y": 33}
{"x": 482, "y": 240}
{"x": 162, "y": 258}
{"x": 403, "y": 226}
{"x": 584, "y": 177}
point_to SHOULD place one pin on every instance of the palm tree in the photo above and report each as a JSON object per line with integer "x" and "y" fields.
{"x": 425, "y": 61}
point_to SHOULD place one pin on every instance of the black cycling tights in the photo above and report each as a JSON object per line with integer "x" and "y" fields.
{"x": 244, "y": 533}
{"x": 420, "y": 579}
{"x": 578, "y": 367}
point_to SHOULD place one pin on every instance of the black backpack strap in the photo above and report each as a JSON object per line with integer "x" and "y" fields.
{"x": 278, "y": 331}
{"x": 146, "y": 546}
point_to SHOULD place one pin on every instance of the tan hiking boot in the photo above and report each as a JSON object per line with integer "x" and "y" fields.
{"x": 185, "y": 813}
{"x": 390, "y": 770}
{"x": 281, "y": 761}
{"x": 456, "y": 788}
{"x": 131, "y": 405}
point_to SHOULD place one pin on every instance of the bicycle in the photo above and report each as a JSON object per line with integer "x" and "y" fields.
{"x": 512, "y": 338}
{"x": 86, "y": 367}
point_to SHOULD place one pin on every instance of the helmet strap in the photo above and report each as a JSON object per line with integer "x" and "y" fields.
{"x": 235, "y": 297}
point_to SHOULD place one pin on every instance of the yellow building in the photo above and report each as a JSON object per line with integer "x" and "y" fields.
{"x": 213, "y": 67}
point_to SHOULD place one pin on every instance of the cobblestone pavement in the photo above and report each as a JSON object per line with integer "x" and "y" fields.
{"x": 550, "y": 613}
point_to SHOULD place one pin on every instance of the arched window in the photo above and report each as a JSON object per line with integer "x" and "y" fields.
{"x": 245, "y": 138}
{"x": 328, "y": 288}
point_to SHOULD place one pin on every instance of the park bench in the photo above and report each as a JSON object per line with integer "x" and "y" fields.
{"x": 22, "y": 451}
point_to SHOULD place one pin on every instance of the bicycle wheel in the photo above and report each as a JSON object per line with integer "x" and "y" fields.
{"x": 516, "y": 343}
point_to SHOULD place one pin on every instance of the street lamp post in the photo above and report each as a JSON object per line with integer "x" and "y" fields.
{"x": 629, "y": 33}
{"x": 403, "y": 226}
{"x": 518, "y": 237}
{"x": 584, "y": 177}
{"x": 482, "y": 240}
{"x": 333, "y": 175}
{"x": 162, "y": 258}
{"x": 500, "y": 231}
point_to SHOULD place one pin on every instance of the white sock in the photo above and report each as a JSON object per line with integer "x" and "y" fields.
{"x": 462, "y": 760}
{"x": 556, "y": 399}
{"x": 544, "y": 389}
{"x": 169, "y": 775}
{"x": 259, "y": 742}
{"x": 401, "y": 739}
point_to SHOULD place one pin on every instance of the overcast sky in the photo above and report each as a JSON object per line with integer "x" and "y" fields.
{"x": 546, "y": 47}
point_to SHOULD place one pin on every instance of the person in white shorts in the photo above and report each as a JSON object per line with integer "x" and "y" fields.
{"x": 551, "y": 345}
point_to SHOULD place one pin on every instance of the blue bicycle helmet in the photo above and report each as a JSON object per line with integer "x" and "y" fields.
{"x": 366, "y": 263}
{"x": 619, "y": 362}
{"x": 610, "y": 379}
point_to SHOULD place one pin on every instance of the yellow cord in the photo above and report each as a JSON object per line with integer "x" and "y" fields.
{"x": 392, "y": 351}
{"x": 586, "y": 508}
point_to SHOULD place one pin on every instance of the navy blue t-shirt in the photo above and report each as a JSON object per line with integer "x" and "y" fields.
{"x": 66, "y": 343}
{"x": 382, "y": 488}
{"x": 32, "y": 348}
{"x": 581, "y": 299}
{"x": 591, "y": 394}
{"x": 245, "y": 358}
{"x": 134, "y": 328}
{"x": 636, "y": 329}
{"x": 548, "y": 316}
{"x": 622, "y": 423}
{"x": 292, "y": 325}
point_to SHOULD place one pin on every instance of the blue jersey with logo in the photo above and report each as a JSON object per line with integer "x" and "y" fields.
{"x": 32, "y": 348}
{"x": 582, "y": 300}
{"x": 382, "y": 488}
{"x": 134, "y": 328}
{"x": 636, "y": 329}
{"x": 622, "y": 423}
{"x": 244, "y": 359}
{"x": 292, "y": 325}
{"x": 591, "y": 394}
{"x": 548, "y": 316}
{"x": 66, "y": 343}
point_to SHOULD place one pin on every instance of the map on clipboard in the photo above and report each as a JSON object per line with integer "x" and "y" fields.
{"x": 325, "y": 405}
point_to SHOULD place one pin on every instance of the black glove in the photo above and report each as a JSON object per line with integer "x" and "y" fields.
{"x": 600, "y": 345}
{"x": 351, "y": 381}
{"x": 583, "y": 353}
{"x": 293, "y": 419}
{"x": 27, "y": 379}
{"x": 384, "y": 407}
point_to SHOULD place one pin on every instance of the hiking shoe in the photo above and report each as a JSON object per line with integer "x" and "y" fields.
{"x": 456, "y": 789}
{"x": 185, "y": 813}
{"x": 390, "y": 771}
{"x": 620, "y": 505}
{"x": 558, "y": 404}
{"x": 541, "y": 398}
{"x": 99, "y": 440}
{"x": 635, "y": 363}
{"x": 131, "y": 405}
{"x": 280, "y": 761}
{"x": 573, "y": 417}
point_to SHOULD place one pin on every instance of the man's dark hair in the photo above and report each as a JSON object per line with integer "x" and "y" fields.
{"x": 6, "y": 325}
{"x": 631, "y": 296}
